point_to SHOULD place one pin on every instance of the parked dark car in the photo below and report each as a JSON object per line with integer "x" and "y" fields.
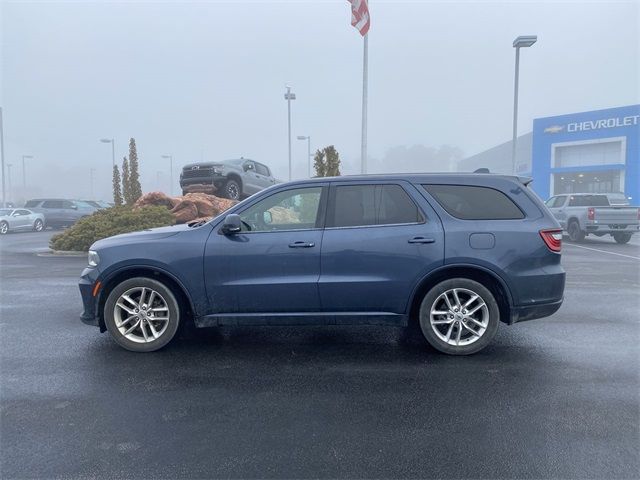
{"x": 234, "y": 179}
{"x": 457, "y": 253}
{"x": 60, "y": 212}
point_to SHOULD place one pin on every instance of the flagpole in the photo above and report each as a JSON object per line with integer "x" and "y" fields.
{"x": 365, "y": 68}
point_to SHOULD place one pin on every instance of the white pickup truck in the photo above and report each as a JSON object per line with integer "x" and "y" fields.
{"x": 582, "y": 214}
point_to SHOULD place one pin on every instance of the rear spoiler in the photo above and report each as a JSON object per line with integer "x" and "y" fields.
{"x": 523, "y": 180}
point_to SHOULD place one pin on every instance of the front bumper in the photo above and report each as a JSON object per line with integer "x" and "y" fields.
{"x": 89, "y": 315}
{"x": 215, "y": 180}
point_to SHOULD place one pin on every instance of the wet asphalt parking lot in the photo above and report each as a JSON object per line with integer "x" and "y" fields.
{"x": 551, "y": 398}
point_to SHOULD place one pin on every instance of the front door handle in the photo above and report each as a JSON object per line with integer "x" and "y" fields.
{"x": 302, "y": 245}
{"x": 422, "y": 240}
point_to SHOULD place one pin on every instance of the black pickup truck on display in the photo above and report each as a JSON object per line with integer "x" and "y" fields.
{"x": 235, "y": 179}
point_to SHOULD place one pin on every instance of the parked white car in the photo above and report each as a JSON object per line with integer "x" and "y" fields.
{"x": 20, "y": 219}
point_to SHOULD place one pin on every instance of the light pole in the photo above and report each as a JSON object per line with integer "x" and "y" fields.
{"x": 4, "y": 195}
{"x": 9, "y": 165}
{"x": 522, "y": 41}
{"x": 170, "y": 157}
{"x": 24, "y": 175}
{"x": 113, "y": 150}
{"x": 288, "y": 97}
{"x": 308, "y": 139}
{"x": 158, "y": 173}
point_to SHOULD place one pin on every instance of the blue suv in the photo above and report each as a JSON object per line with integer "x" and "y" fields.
{"x": 457, "y": 253}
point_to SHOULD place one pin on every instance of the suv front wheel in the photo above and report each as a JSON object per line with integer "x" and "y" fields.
{"x": 142, "y": 314}
{"x": 459, "y": 316}
{"x": 232, "y": 190}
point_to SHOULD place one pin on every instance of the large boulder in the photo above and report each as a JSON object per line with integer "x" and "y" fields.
{"x": 189, "y": 207}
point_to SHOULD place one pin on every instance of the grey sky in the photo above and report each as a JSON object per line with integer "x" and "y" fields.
{"x": 206, "y": 79}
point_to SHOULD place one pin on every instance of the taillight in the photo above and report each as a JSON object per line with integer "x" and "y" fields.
{"x": 591, "y": 213}
{"x": 553, "y": 239}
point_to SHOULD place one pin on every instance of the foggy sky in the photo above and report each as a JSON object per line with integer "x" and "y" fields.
{"x": 205, "y": 80}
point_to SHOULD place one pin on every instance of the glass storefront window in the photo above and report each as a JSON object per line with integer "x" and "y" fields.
{"x": 588, "y": 182}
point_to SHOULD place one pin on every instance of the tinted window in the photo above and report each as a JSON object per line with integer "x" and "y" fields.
{"x": 549, "y": 203}
{"x": 557, "y": 202}
{"x": 262, "y": 170}
{"x": 588, "y": 201}
{"x": 362, "y": 205}
{"x": 67, "y": 204}
{"x": 474, "y": 203}
{"x": 52, "y": 204}
{"x": 5, "y": 211}
{"x": 289, "y": 210}
{"x": 23, "y": 212}
{"x": 32, "y": 203}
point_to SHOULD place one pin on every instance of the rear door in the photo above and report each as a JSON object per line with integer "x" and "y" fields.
{"x": 250, "y": 178}
{"x": 263, "y": 176}
{"x": 381, "y": 238}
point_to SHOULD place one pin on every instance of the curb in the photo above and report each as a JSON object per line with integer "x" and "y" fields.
{"x": 62, "y": 253}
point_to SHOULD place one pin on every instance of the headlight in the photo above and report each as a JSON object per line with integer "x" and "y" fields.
{"x": 94, "y": 258}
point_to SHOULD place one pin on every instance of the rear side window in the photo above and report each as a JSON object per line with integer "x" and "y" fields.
{"x": 262, "y": 170}
{"x": 366, "y": 205}
{"x": 32, "y": 203}
{"x": 474, "y": 203}
{"x": 588, "y": 201}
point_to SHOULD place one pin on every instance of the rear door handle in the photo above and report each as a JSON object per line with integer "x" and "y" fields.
{"x": 422, "y": 240}
{"x": 302, "y": 245}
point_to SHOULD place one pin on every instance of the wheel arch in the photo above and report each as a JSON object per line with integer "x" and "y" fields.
{"x": 236, "y": 177}
{"x": 154, "y": 273}
{"x": 486, "y": 277}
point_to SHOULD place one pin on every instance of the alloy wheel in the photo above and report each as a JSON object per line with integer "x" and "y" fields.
{"x": 141, "y": 314}
{"x": 459, "y": 317}
{"x": 4, "y": 228}
{"x": 38, "y": 226}
{"x": 232, "y": 191}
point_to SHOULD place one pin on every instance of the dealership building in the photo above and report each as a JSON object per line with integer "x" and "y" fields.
{"x": 597, "y": 151}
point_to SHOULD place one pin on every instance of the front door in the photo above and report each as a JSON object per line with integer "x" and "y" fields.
{"x": 273, "y": 265}
{"x": 380, "y": 240}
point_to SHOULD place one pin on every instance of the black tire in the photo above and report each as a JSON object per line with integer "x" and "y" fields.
{"x": 622, "y": 237}
{"x": 173, "y": 310}
{"x": 232, "y": 189}
{"x": 4, "y": 228}
{"x": 492, "y": 312}
{"x": 574, "y": 231}
{"x": 38, "y": 225}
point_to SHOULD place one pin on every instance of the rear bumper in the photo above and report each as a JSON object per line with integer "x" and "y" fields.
{"x": 532, "y": 312}
{"x": 622, "y": 228}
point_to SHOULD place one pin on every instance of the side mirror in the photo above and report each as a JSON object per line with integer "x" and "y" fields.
{"x": 267, "y": 218}
{"x": 232, "y": 224}
{"x": 247, "y": 166}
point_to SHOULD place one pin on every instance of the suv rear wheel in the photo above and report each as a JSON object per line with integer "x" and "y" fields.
{"x": 459, "y": 316}
{"x": 575, "y": 234}
{"x": 622, "y": 237}
{"x": 142, "y": 314}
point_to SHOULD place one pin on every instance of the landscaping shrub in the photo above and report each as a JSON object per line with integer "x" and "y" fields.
{"x": 108, "y": 222}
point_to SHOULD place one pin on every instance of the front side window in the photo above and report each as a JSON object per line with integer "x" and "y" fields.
{"x": 366, "y": 205}
{"x": 295, "y": 209}
{"x": 474, "y": 203}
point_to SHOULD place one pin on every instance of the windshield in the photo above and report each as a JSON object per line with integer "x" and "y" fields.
{"x": 236, "y": 162}
{"x": 5, "y": 211}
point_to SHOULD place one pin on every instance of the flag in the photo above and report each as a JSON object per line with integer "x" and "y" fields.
{"x": 360, "y": 16}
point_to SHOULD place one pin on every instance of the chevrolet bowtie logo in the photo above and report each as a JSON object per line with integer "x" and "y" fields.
{"x": 554, "y": 129}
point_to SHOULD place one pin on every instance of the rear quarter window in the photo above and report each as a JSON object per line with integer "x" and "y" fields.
{"x": 468, "y": 202}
